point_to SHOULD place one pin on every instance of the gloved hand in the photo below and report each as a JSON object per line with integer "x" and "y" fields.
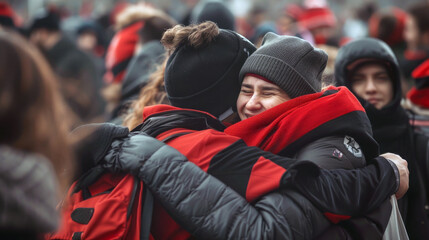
{"x": 129, "y": 154}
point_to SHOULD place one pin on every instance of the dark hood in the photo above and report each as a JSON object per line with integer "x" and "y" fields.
{"x": 138, "y": 74}
{"x": 140, "y": 69}
{"x": 374, "y": 49}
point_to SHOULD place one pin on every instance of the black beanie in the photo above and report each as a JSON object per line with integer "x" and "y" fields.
{"x": 206, "y": 78}
{"x": 291, "y": 63}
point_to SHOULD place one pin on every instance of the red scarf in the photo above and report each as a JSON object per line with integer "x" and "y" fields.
{"x": 304, "y": 119}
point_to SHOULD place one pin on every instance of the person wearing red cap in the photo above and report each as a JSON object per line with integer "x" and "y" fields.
{"x": 320, "y": 21}
{"x": 388, "y": 25}
{"x": 287, "y": 23}
{"x": 6, "y": 16}
{"x": 131, "y": 56}
{"x": 416, "y": 34}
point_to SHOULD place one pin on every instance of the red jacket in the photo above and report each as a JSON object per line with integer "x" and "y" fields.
{"x": 223, "y": 156}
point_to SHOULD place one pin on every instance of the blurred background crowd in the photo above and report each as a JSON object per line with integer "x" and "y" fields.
{"x": 106, "y": 34}
{"x": 106, "y": 54}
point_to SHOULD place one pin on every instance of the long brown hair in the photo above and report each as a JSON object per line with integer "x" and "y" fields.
{"x": 32, "y": 113}
{"x": 153, "y": 93}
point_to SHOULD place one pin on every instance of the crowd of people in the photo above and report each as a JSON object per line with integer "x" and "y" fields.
{"x": 215, "y": 126}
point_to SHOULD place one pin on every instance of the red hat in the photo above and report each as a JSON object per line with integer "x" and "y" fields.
{"x": 313, "y": 18}
{"x": 294, "y": 10}
{"x": 388, "y": 26}
{"x": 6, "y": 15}
{"x": 120, "y": 52}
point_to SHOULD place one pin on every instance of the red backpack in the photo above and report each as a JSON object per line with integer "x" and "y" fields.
{"x": 102, "y": 205}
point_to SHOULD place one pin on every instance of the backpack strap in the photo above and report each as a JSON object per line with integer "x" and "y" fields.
{"x": 173, "y": 136}
{"x": 147, "y": 208}
{"x": 90, "y": 177}
{"x": 147, "y": 211}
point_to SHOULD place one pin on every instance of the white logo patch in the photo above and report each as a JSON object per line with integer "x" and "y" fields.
{"x": 352, "y": 146}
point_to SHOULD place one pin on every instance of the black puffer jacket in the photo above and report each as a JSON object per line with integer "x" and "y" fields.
{"x": 208, "y": 209}
{"x": 391, "y": 128}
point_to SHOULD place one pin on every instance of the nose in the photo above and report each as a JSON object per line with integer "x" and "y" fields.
{"x": 370, "y": 86}
{"x": 253, "y": 104}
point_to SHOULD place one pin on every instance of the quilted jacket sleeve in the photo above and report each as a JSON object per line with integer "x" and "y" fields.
{"x": 208, "y": 209}
{"x": 335, "y": 152}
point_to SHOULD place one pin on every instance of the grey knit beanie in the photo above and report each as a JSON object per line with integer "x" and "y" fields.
{"x": 291, "y": 63}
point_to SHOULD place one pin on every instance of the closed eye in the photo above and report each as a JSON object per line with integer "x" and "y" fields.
{"x": 246, "y": 91}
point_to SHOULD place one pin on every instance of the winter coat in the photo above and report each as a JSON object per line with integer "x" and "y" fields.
{"x": 331, "y": 140}
{"x": 27, "y": 194}
{"x": 391, "y": 129}
{"x": 231, "y": 161}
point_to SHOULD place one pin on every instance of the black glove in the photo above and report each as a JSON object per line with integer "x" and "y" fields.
{"x": 132, "y": 152}
{"x": 92, "y": 143}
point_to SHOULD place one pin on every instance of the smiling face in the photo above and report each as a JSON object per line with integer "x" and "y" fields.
{"x": 258, "y": 95}
{"x": 372, "y": 83}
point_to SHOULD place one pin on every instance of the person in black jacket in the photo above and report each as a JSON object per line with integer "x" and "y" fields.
{"x": 370, "y": 70}
{"x": 194, "y": 199}
{"x": 281, "y": 97}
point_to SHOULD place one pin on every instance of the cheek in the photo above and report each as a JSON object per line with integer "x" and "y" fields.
{"x": 272, "y": 102}
{"x": 411, "y": 32}
{"x": 241, "y": 102}
{"x": 388, "y": 92}
{"x": 358, "y": 89}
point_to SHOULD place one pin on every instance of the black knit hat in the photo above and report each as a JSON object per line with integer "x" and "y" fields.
{"x": 206, "y": 78}
{"x": 290, "y": 62}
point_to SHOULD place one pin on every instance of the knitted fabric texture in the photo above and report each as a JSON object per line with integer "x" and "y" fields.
{"x": 291, "y": 63}
{"x": 205, "y": 78}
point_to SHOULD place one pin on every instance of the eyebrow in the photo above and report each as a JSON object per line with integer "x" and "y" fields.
{"x": 376, "y": 73}
{"x": 270, "y": 88}
{"x": 263, "y": 88}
